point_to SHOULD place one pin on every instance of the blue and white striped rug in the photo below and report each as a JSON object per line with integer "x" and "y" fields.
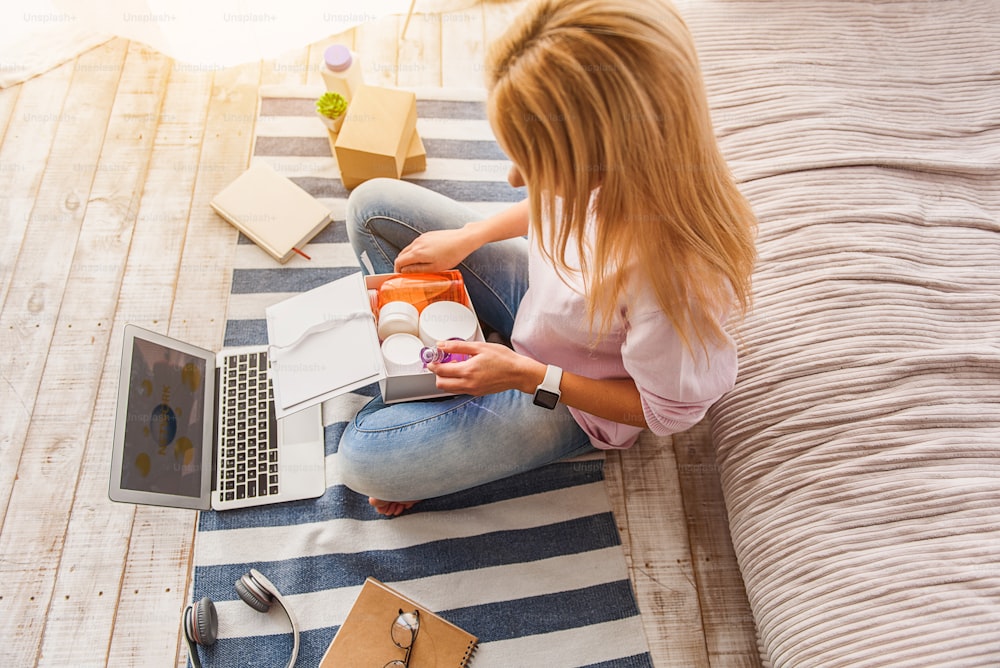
{"x": 532, "y": 565}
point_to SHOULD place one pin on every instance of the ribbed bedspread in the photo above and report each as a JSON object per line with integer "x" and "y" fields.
{"x": 860, "y": 449}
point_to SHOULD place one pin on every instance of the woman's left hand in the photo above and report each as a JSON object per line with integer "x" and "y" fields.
{"x": 491, "y": 368}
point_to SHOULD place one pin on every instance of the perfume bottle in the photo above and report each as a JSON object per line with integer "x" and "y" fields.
{"x": 341, "y": 71}
{"x": 434, "y": 354}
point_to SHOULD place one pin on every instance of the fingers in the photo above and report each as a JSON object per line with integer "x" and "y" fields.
{"x": 463, "y": 347}
{"x": 412, "y": 267}
{"x": 412, "y": 262}
{"x": 408, "y": 260}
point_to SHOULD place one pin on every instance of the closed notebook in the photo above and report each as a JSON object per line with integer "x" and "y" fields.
{"x": 271, "y": 211}
{"x": 364, "y": 638}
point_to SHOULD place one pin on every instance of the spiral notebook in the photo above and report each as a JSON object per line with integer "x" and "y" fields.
{"x": 364, "y": 638}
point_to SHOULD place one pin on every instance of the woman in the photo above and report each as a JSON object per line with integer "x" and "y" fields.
{"x": 638, "y": 248}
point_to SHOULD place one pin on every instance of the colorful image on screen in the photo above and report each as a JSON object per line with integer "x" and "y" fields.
{"x": 164, "y": 426}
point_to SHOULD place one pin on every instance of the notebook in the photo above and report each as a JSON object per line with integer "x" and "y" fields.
{"x": 196, "y": 429}
{"x": 271, "y": 211}
{"x": 365, "y": 639}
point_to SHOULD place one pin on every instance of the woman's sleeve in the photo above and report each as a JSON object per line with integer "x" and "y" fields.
{"x": 676, "y": 386}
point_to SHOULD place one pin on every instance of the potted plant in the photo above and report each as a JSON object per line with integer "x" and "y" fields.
{"x": 331, "y": 108}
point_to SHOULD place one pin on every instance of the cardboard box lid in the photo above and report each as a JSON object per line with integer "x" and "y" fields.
{"x": 322, "y": 343}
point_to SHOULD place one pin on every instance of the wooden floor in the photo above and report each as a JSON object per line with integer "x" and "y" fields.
{"x": 107, "y": 164}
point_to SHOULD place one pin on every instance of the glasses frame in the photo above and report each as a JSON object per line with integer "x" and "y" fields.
{"x": 414, "y": 629}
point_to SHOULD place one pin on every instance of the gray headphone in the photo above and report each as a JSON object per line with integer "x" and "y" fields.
{"x": 201, "y": 621}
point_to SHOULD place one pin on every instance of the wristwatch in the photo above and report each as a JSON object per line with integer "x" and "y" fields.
{"x": 547, "y": 394}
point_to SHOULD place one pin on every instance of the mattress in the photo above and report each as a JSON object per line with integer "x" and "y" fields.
{"x": 859, "y": 451}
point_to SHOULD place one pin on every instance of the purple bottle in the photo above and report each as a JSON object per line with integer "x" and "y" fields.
{"x": 436, "y": 355}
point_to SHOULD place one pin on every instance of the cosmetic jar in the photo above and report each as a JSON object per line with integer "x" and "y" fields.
{"x": 401, "y": 353}
{"x": 397, "y": 318}
{"x": 445, "y": 320}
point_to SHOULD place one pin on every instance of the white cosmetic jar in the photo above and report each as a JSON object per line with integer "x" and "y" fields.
{"x": 445, "y": 320}
{"x": 397, "y": 318}
{"x": 401, "y": 353}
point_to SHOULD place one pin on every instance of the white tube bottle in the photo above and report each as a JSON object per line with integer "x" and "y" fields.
{"x": 341, "y": 71}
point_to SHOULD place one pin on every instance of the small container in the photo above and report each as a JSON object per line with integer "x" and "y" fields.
{"x": 401, "y": 354}
{"x": 436, "y": 355}
{"x": 445, "y": 320}
{"x": 341, "y": 71}
{"x": 397, "y": 318}
{"x": 423, "y": 289}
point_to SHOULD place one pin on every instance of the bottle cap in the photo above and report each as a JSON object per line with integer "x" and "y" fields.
{"x": 441, "y": 321}
{"x": 337, "y": 57}
{"x": 401, "y": 353}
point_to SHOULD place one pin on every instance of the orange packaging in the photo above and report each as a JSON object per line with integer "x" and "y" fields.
{"x": 423, "y": 289}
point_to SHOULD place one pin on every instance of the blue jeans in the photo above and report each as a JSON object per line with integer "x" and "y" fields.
{"x": 422, "y": 449}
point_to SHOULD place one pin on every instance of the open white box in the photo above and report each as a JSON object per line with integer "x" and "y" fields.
{"x": 324, "y": 343}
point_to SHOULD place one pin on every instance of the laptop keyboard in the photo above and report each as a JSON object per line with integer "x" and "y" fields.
{"x": 248, "y": 433}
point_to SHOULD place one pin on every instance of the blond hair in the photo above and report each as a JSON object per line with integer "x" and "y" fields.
{"x": 608, "y": 95}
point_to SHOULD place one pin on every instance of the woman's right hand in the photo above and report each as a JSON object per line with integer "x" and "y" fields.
{"x": 440, "y": 250}
{"x": 437, "y": 250}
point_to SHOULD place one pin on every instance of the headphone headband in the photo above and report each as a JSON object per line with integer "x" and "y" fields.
{"x": 269, "y": 587}
{"x": 200, "y": 620}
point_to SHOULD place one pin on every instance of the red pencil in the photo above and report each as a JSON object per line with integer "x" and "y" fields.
{"x": 301, "y": 253}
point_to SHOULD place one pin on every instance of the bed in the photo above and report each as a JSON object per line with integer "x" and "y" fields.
{"x": 859, "y": 452}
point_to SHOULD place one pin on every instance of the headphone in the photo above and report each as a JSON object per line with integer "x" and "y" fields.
{"x": 201, "y": 621}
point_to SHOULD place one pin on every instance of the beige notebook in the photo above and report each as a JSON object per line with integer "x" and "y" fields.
{"x": 364, "y": 638}
{"x": 271, "y": 211}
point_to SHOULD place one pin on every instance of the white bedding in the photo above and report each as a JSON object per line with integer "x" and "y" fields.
{"x": 860, "y": 449}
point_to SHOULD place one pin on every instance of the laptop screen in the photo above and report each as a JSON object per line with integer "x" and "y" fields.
{"x": 164, "y": 422}
{"x": 164, "y": 426}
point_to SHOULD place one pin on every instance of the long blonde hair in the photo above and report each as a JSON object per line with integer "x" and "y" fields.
{"x": 608, "y": 94}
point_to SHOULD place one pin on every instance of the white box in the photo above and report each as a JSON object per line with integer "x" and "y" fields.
{"x": 324, "y": 343}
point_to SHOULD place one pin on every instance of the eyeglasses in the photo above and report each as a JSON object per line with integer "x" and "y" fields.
{"x": 404, "y": 633}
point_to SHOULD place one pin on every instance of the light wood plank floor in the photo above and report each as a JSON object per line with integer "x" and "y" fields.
{"x": 107, "y": 164}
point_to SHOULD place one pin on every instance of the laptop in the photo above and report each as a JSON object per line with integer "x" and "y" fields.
{"x": 197, "y": 429}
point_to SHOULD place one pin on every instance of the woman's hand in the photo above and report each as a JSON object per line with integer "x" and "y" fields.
{"x": 491, "y": 368}
{"x": 438, "y": 250}
{"x": 496, "y": 368}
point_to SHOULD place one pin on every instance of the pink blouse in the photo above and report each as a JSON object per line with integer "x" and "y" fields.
{"x": 676, "y": 387}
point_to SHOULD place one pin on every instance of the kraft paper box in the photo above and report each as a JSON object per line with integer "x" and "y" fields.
{"x": 324, "y": 342}
{"x": 416, "y": 157}
{"x": 377, "y": 134}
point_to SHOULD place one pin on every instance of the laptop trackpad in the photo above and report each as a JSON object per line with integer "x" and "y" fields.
{"x": 305, "y": 426}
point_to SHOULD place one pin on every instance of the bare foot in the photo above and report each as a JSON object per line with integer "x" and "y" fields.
{"x": 391, "y": 508}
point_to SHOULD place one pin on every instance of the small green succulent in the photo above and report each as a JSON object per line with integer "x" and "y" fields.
{"x": 331, "y": 105}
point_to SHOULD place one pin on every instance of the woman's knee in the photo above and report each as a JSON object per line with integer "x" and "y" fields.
{"x": 355, "y": 466}
{"x": 364, "y": 202}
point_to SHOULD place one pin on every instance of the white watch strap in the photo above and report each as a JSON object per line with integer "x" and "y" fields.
{"x": 553, "y": 377}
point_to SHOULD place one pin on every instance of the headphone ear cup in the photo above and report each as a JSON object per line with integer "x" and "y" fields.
{"x": 202, "y": 624}
{"x": 253, "y": 594}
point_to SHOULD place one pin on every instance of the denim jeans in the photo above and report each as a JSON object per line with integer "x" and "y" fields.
{"x": 422, "y": 449}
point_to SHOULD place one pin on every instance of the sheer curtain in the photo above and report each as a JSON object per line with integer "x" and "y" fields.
{"x": 36, "y": 35}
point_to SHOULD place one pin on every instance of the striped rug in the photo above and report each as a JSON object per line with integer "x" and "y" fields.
{"x": 532, "y": 565}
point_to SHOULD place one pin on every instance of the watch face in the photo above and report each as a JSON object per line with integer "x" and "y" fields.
{"x": 546, "y": 399}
